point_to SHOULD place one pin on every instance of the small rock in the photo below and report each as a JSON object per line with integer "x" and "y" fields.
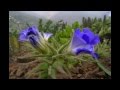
{"x": 79, "y": 75}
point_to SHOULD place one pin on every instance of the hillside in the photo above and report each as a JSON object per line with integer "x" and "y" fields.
{"x": 23, "y": 17}
{"x": 73, "y": 16}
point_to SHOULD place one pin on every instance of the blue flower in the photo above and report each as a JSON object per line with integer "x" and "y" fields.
{"x": 84, "y": 42}
{"x": 32, "y": 35}
{"x": 47, "y": 35}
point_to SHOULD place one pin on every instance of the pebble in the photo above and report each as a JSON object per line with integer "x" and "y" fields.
{"x": 79, "y": 75}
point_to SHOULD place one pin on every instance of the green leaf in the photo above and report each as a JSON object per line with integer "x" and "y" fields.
{"x": 61, "y": 70}
{"x": 70, "y": 65}
{"x": 75, "y": 25}
{"x": 53, "y": 50}
{"x": 103, "y": 68}
{"x": 55, "y": 42}
{"x": 68, "y": 29}
{"x": 68, "y": 72}
{"x": 71, "y": 61}
{"x": 63, "y": 47}
{"x": 58, "y": 65}
{"x": 63, "y": 40}
{"x": 14, "y": 44}
{"x": 52, "y": 72}
{"x": 59, "y": 62}
{"x": 49, "y": 70}
{"x": 43, "y": 74}
{"x": 44, "y": 66}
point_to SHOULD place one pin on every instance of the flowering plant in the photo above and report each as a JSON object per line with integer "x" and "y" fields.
{"x": 59, "y": 59}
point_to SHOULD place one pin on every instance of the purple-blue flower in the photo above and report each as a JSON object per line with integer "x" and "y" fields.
{"x": 30, "y": 34}
{"x": 33, "y": 35}
{"x": 84, "y": 42}
{"x": 47, "y": 35}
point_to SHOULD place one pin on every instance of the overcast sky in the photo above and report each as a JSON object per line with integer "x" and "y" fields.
{"x": 49, "y": 14}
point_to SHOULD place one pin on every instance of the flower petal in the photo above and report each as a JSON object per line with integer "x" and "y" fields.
{"x": 96, "y": 40}
{"x": 84, "y": 48}
{"x": 22, "y": 38}
{"x": 77, "y": 40}
{"x": 22, "y": 35}
{"x": 95, "y": 55}
{"x": 79, "y": 50}
{"x": 86, "y": 38}
{"x": 89, "y": 33}
{"x": 33, "y": 30}
{"x": 47, "y": 35}
{"x": 34, "y": 41}
{"x": 78, "y": 33}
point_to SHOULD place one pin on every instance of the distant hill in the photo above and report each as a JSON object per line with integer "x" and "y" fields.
{"x": 69, "y": 17}
{"x": 24, "y": 17}
{"x": 73, "y": 16}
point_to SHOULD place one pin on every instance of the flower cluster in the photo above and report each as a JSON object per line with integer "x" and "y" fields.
{"x": 81, "y": 41}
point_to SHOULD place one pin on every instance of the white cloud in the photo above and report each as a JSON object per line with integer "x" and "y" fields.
{"x": 50, "y": 14}
{"x": 47, "y": 14}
